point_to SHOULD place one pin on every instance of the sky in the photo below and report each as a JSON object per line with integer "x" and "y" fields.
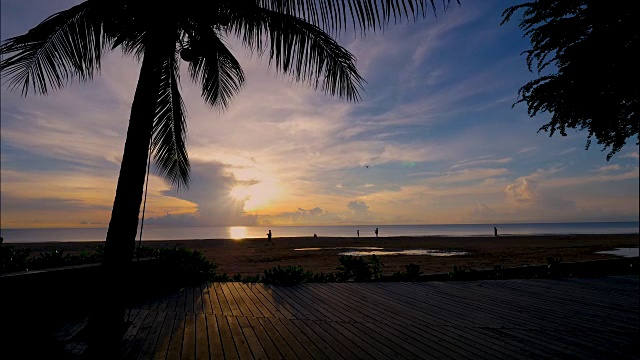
{"x": 434, "y": 139}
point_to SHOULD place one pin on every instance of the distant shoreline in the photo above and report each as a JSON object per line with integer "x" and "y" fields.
{"x": 252, "y": 256}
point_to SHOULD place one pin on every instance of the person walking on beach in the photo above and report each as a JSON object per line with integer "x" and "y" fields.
{"x": 269, "y": 238}
{"x": 495, "y": 231}
{"x": 376, "y": 232}
{"x": 358, "y": 232}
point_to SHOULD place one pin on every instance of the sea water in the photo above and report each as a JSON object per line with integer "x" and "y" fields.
{"x": 241, "y": 232}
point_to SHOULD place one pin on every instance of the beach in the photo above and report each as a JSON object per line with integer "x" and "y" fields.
{"x": 253, "y": 256}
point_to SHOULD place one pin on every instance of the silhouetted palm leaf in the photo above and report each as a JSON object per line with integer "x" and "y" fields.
{"x": 64, "y": 46}
{"x": 170, "y": 128}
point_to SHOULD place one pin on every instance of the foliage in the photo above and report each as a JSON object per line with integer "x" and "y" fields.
{"x": 463, "y": 273}
{"x": 188, "y": 266}
{"x": 251, "y": 279}
{"x": 143, "y": 252}
{"x": 412, "y": 273}
{"x": 289, "y": 275}
{"x": 358, "y": 269}
{"x": 553, "y": 266}
{"x": 12, "y": 259}
{"x": 594, "y": 93}
{"x": 498, "y": 272}
{"x": 311, "y": 277}
{"x": 221, "y": 278}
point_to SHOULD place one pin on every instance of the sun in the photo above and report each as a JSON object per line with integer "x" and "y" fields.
{"x": 256, "y": 196}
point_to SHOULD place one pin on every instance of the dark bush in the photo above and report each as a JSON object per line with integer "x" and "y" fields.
{"x": 289, "y": 275}
{"x": 411, "y": 273}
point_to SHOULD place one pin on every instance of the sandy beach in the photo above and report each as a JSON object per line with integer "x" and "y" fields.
{"x": 253, "y": 256}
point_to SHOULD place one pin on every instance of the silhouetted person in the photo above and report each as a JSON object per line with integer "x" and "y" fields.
{"x": 495, "y": 231}
{"x": 315, "y": 235}
{"x": 269, "y": 238}
{"x": 358, "y": 232}
{"x": 376, "y": 232}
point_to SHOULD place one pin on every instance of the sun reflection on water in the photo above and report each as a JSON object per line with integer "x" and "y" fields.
{"x": 238, "y": 232}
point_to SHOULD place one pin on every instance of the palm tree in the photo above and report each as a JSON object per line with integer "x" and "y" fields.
{"x": 296, "y": 36}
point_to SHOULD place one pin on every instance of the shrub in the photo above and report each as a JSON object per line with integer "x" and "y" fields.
{"x": 312, "y": 277}
{"x": 353, "y": 267}
{"x": 460, "y": 273}
{"x": 186, "y": 266}
{"x": 289, "y": 275}
{"x": 251, "y": 279}
{"x": 553, "y": 266}
{"x": 12, "y": 259}
{"x": 412, "y": 273}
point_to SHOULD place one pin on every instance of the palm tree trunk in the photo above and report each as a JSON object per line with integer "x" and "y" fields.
{"x": 108, "y": 318}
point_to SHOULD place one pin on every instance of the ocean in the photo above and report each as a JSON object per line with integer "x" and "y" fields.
{"x": 239, "y": 232}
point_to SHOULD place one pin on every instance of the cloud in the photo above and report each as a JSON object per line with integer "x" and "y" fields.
{"x": 607, "y": 168}
{"x": 481, "y": 162}
{"x": 359, "y": 210}
{"x": 633, "y": 155}
{"x": 209, "y": 190}
{"x": 523, "y": 191}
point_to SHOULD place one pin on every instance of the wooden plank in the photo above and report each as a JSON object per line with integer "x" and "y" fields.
{"x": 213, "y": 334}
{"x": 305, "y": 312}
{"x": 228, "y": 345}
{"x": 311, "y": 304}
{"x": 239, "y": 300}
{"x": 307, "y": 342}
{"x": 131, "y": 332}
{"x": 446, "y": 344}
{"x": 207, "y": 308}
{"x": 244, "y": 352}
{"x": 213, "y": 296}
{"x": 147, "y": 350}
{"x": 269, "y": 303}
{"x": 136, "y": 343}
{"x": 391, "y": 322}
{"x": 164, "y": 338}
{"x": 289, "y": 338}
{"x": 173, "y": 300}
{"x": 342, "y": 336}
{"x": 224, "y": 303}
{"x": 233, "y": 305}
{"x": 257, "y": 307}
{"x": 188, "y": 301}
{"x": 247, "y": 300}
{"x": 275, "y": 337}
{"x": 269, "y": 347}
{"x": 189, "y": 337}
{"x": 202, "y": 340}
{"x": 279, "y": 302}
{"x": 181, "y": 301}
{"x": 329, "y": 347}
{"x": 175, "y": 345}
{"x": 198, "y": 306}
{"x": 257, "y": 351}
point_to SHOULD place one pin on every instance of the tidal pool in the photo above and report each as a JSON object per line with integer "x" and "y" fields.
{"x": 405, "y": 252}
{"x": 337, "y": 248}
{"x": 624, "y": 252}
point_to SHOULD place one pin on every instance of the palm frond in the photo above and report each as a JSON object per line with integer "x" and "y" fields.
{"x": 66, "y": 45}
{"x": 170, "y": 128}
{"x": 302, "y": 50}
{"x": 336, "y": 16}
{"x": 216, "y": 69}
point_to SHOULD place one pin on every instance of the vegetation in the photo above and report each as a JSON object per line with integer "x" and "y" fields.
{"x": 582, "y": 91}
{"x": 183, "y": 267}
{"x": 411, "y": 273}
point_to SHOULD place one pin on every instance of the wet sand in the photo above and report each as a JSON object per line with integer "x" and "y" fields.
{"x": 253, "y": 256}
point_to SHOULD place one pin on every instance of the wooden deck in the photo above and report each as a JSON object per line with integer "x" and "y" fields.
{"x": 510, "y": 319}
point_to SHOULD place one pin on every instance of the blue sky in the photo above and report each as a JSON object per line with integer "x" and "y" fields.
{"x": 435, "y": 126}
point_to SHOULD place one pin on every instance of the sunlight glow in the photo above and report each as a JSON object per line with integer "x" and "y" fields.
{"x": 238, "y": 232}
